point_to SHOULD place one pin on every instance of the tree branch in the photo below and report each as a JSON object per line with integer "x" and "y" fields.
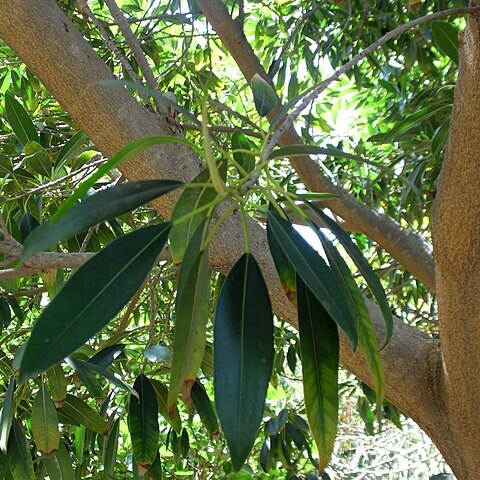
{"x": 409, "y": 249}
{"x": 62, "y": 59}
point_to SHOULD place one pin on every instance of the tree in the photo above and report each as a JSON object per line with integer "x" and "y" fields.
{"x": 431, "y": 378}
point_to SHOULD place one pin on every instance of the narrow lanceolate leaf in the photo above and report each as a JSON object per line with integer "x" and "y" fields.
{"x": 45, "y": 423}
{"x": 19, "y": 458}
{"x": 192, "y": 199}
{"x": 319, "y": 345}
{"x": 83, "y": 414}
{"x": 314, "y": 272}
{"x": 446, "y": 37}
{"x": 243, "y": 355}
{"x": 110, "y": 451}
{"x": 96, "y": 208}
{"x": 106, "y": 356}
{"x": 264, "y": 95}
{"x": 363, "y": 266}
{"x": 70, "y": 149}
{"x": 57, "y": 384}
{"x": 91, "y": 298}
{"x": 6, "y": 415}
{"x": 161, "y": 391}
{"x": 191, "y": 315}
{"x": 143, "y": 424}
{"x": 155, "y": 470}
{"x": 59, "y": 467}
{"x": 363, "y": 322}
{"x": 87, "y": 377}
{"x": 240, "y": 147}
{"x": 204, "y": 408}
{"x": 285, "y": 269}
{"x": 20, "y": 121}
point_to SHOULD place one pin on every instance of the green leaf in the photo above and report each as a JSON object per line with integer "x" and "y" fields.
{"x": 5, "y": 312}
{"x": 319, "y": 346}
{"x": 70, "y": 148}
{"x": 59, "y": 467}
{"x": 110, "y": 451}
{"x": 204, "y": 408}
{"x": 264, "y": 95}
{"x": 37, "y": 159}
{"x": 363, "y": 266}
{"x": 363, "y": 322}
{"x": 445, "y": 36}
{"x": 126, "y": 152}
{"x": 243, "y": 355}
{"x": 143, "y": 424}
{"x": 6, "y": 415}
{"x": 83, "y": 414}
{"x": 191, "y": 200}
{"x": 92, "y": 296}
{"x": 57, "y": 384}
{"x": 161, "y": 391}
{"x": 28, "y": 224}
{"x": 45, "y": 423}
{"x": 106, "y": 356}
{"x": 19, "y": 458}
{"x": 96, "y": 208}
{"x": 191, "y": 316}
{"x": 20, "y": 121}
{"x": 241, "y": 142}
{"x": 87, "y": 377}
{"x": 314, "y": 272}
{"x": 155, "y": 470}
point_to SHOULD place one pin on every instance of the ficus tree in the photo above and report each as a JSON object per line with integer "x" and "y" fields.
{"x": 220, "y": 125}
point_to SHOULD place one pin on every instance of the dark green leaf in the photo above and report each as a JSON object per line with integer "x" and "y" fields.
{"x": 363, "y": 266}
{"x": 5, "y": 312}
{"x": 95, "y": 209}
{"x": 80, "y": 412}
{"x": 6, "y": 416}
{"x": 204, "y": 408}
{"x": 37, "y": 158}
{"x": 320, "y": 347}
{"x": 19, "y": 458}
{"x": 241, "y": 142}
{"x": 70, "y": 148}
{"x": 105, "y": 357}
{"x": 59, "y": 467}
{"x": 155, "y": 470}
{"x": 28, "y": 223}
{"x": 20, "y": 121}
{"x": 110, "y": 451}
{"x": 314, "y": 272}
{"x": 243, "y": 355}
{"x": 92, "y": 296}
{"x": 445, "y": 36}
{"x": 191, "y": 315}
{"x": 264, "y": 95}
{"x": 143, "y": 424}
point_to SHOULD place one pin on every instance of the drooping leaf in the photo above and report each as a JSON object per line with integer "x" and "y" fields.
{"x": 106, "y": 356}
{"x": 155, "y": 470}
{"x": 20, "y": 121}
{"x": 80, "y": 412}
{"x": 356, "y": 303}
{"x": 95, "y": 209}
{"x": 314, "y": 272}
{"x": 110, "y": 451}
{"x": 191, "y": 315}
{"x": 28, "y": 223}
{"x": 445, "y": 36}
{"x": 59, "y": 467}
{"x": 45, "y": 423}
{"x": 6, "y": 416}
{"x": 92, "y": 296}
{"x": 5, "y": 313}
{"x": 70, "y": 148}
{"x": 87, "y": 377}
{"x": 243, "y": 355}
{"x": 204, "y": 408}
{"x": 57, "y": 384}
{"x": 161, "y": 391}
{"x": 363, "y": 266}
{"x": 19, "y": 458}
{"x": 264, "y": 95}
{"x": 244, "y": 159}
{"x": 319, "y": 346}
{"x": 143, "y": 424}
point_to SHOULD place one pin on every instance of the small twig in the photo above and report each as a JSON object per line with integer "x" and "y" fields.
{"x": 131, "y": 307}
{"x": 161, "y": 16}
{"x": 232, "y": 112}
{"x": 24, "y": 293}
{"x": 221, "y": 128}
{"x": 87, "y": 238}
{"x": 321, "y": 87}
{"x": 133, "y": 43}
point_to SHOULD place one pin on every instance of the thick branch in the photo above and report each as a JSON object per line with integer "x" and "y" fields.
{"x": 456, "y": 236}
{"x": 66, "y": 64}
{"x": 407, "y": 248}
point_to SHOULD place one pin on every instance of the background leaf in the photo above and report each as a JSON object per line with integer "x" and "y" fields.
{"x": 20, "y": 121}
